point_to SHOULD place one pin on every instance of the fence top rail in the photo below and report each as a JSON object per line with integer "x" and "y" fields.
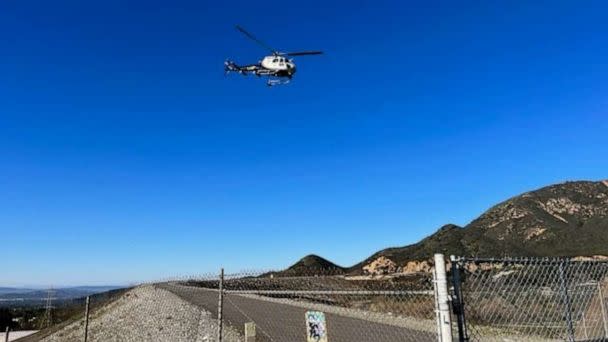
{"x": 326, "y": 292}
{"x": 528, "y": 260}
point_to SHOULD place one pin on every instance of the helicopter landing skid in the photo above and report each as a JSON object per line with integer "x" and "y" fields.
{"x": 273, "y": 82}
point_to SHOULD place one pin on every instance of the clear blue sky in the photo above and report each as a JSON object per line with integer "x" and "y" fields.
{"x": 125, "y": 154}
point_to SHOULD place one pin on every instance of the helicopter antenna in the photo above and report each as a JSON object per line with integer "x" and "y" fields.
{"x": 252, "y": 37}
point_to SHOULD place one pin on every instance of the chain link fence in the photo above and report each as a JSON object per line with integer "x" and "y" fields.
{"x": 531, "y": 299}
{"x": 489, "y": 300}
{"x": 272, "y": 305}
{"x": 356, "y": 308}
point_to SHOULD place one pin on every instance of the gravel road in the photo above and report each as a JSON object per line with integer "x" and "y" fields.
{"x": 282, "y": 322}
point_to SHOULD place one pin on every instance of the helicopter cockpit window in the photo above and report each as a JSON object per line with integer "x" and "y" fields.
{"x": 275, "y": 60}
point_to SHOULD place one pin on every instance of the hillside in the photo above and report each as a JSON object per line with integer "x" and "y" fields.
{"x": 561, "y": 220}
{"x": 311, "y": 264}
{"x": 35, "y": 297}
{"x": 11, "y": 290}
{"x": 447, "y": 240}
{"x": 143, "y": 313}
{"x": 567, "y": 219}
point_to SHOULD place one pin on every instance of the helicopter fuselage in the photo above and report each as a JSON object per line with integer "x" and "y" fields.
{"x": 281, "y": 65}
{"x": 272, "y": 66}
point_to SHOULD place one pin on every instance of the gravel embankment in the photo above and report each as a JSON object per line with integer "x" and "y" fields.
{"x": 146, "y": 313}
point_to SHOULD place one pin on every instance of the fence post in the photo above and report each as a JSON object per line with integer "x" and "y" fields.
{"x": 86, "y": 318}
{"x": 250, "y": 332}
{"x": 566, "y": 300}
{"x": 457, "y": 302}
{"x": 8, "y": 330}
{"x": 442, "y": 298}
{"x": 220, "y": 306}
{"x": 599, "y": 289}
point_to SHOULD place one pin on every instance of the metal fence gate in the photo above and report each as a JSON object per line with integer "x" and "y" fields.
{"x": 530, "y": 299}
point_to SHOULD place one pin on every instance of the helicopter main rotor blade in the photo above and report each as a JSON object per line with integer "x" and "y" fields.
{"x": 303, "y": 53}
{"x": 252, "y": 37}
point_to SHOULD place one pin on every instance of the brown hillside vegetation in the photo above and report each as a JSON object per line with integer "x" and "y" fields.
{"x": 567, "y": 219}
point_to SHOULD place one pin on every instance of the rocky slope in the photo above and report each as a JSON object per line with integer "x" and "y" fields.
{"x": 561, "y": 220}
{"x": 146, "y": 313}
{"x": 568, "y": 219}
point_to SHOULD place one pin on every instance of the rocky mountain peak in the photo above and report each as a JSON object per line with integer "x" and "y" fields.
{"x": 567, "y": 219}
{"x": 545, "y": 213}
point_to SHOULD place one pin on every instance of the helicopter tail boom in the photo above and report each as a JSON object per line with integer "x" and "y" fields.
{"x": 230, "y": 66}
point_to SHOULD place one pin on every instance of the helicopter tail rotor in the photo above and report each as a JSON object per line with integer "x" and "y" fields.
{"x": 230, "y": 66}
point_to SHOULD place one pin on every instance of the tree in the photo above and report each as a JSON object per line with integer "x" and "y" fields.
{"x": 6, "y": 319}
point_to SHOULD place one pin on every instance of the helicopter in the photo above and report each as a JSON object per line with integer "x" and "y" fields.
{"x": 278, "y": 67}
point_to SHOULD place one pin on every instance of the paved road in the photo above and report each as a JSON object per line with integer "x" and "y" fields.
{"x": 278, "y": 322}
{"x": 15, "y": 335}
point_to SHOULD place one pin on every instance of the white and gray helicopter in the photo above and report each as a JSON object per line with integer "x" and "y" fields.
{"x": 276, "y": 67}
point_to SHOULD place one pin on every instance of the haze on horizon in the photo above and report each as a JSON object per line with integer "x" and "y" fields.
{"x": 126, "y": 155}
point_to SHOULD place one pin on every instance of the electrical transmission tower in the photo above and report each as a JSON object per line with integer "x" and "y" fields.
{"x": 47, "y": 320}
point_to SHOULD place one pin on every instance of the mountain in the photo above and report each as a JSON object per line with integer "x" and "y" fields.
{"x": 567, "y": 219}
{"x": 312, "y": 264}
{"x": 447, "y": 240}
{"x": 10, "y": 290}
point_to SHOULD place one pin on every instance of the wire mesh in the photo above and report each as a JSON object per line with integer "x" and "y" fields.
{"x": 534, "y": 299}
{"x": 502, "y": 300}
{"x": 357, "y": 308}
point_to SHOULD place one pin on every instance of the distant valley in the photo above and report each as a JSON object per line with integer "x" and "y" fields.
{"x": 11, "y": 296}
